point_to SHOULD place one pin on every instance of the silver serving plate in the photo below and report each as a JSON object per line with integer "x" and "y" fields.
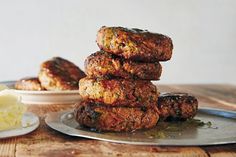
{"x": 221, "y": 129}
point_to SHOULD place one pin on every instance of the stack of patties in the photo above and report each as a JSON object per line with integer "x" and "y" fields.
{"x": 117, "y": 93}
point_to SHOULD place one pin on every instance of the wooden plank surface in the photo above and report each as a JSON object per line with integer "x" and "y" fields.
{"x": 47, "y": 142}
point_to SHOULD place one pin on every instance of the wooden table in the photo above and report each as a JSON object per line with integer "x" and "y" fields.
{"x": 47, "y": 142}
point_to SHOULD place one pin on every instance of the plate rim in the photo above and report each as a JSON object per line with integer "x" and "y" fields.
{"x": 58, "y": 121}
{"x": 45, "y": 97}
{"x": 10, "y": 83}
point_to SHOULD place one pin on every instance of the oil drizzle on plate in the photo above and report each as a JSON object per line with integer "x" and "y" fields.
{"x": 173, "y": 129}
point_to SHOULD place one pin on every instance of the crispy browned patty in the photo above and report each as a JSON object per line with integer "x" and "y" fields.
{"x": 119, "y": 92}
{"x": 29, "y": 83}
{"x": 60, "y": 74}
{"x": 177, "y": 106}
{"x": 103, "y": 64}
{"x": 135, "y": 44}
{"x": 103, "y": 118}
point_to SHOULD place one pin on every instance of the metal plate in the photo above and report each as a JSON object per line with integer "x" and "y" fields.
{"x": 221, "y": 131}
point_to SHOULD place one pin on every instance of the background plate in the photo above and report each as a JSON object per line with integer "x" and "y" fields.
{"x": 221, "y": 131}
{"x": 45, "y": 97}
{"x": 30, "y": 122}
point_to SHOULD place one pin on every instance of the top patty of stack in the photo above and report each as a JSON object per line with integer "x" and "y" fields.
{"x": 135, "y": 44}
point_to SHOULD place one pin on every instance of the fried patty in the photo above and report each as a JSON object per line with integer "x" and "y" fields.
{"x": 29, "y": 83}
{"x": 177, "y": 106}
{"x": 60, "y": 74}
{"x": 103, "y": 64}
{"x": 119, "y": 92}
{"x": 135, "y": 44}
{"x": 103, "y": 118}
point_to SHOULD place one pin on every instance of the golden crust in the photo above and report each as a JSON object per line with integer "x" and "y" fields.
{"x": 119, "y": 92}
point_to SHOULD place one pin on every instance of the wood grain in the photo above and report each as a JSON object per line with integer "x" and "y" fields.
{"x": 47, "y": 142}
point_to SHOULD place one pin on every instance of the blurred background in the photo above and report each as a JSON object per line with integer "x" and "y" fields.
{"x": 203, "y": 33}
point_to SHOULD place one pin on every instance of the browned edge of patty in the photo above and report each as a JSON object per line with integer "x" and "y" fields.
{"x": 177, "y": 106}
{"x": 103, "y": 64}
{"x": 29, "y": 83}
{"x": 60, "y": 74}
{"x": 103, "y": 118}
{"x": 119, "y": 92}
{"x": 135, "y": 44}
